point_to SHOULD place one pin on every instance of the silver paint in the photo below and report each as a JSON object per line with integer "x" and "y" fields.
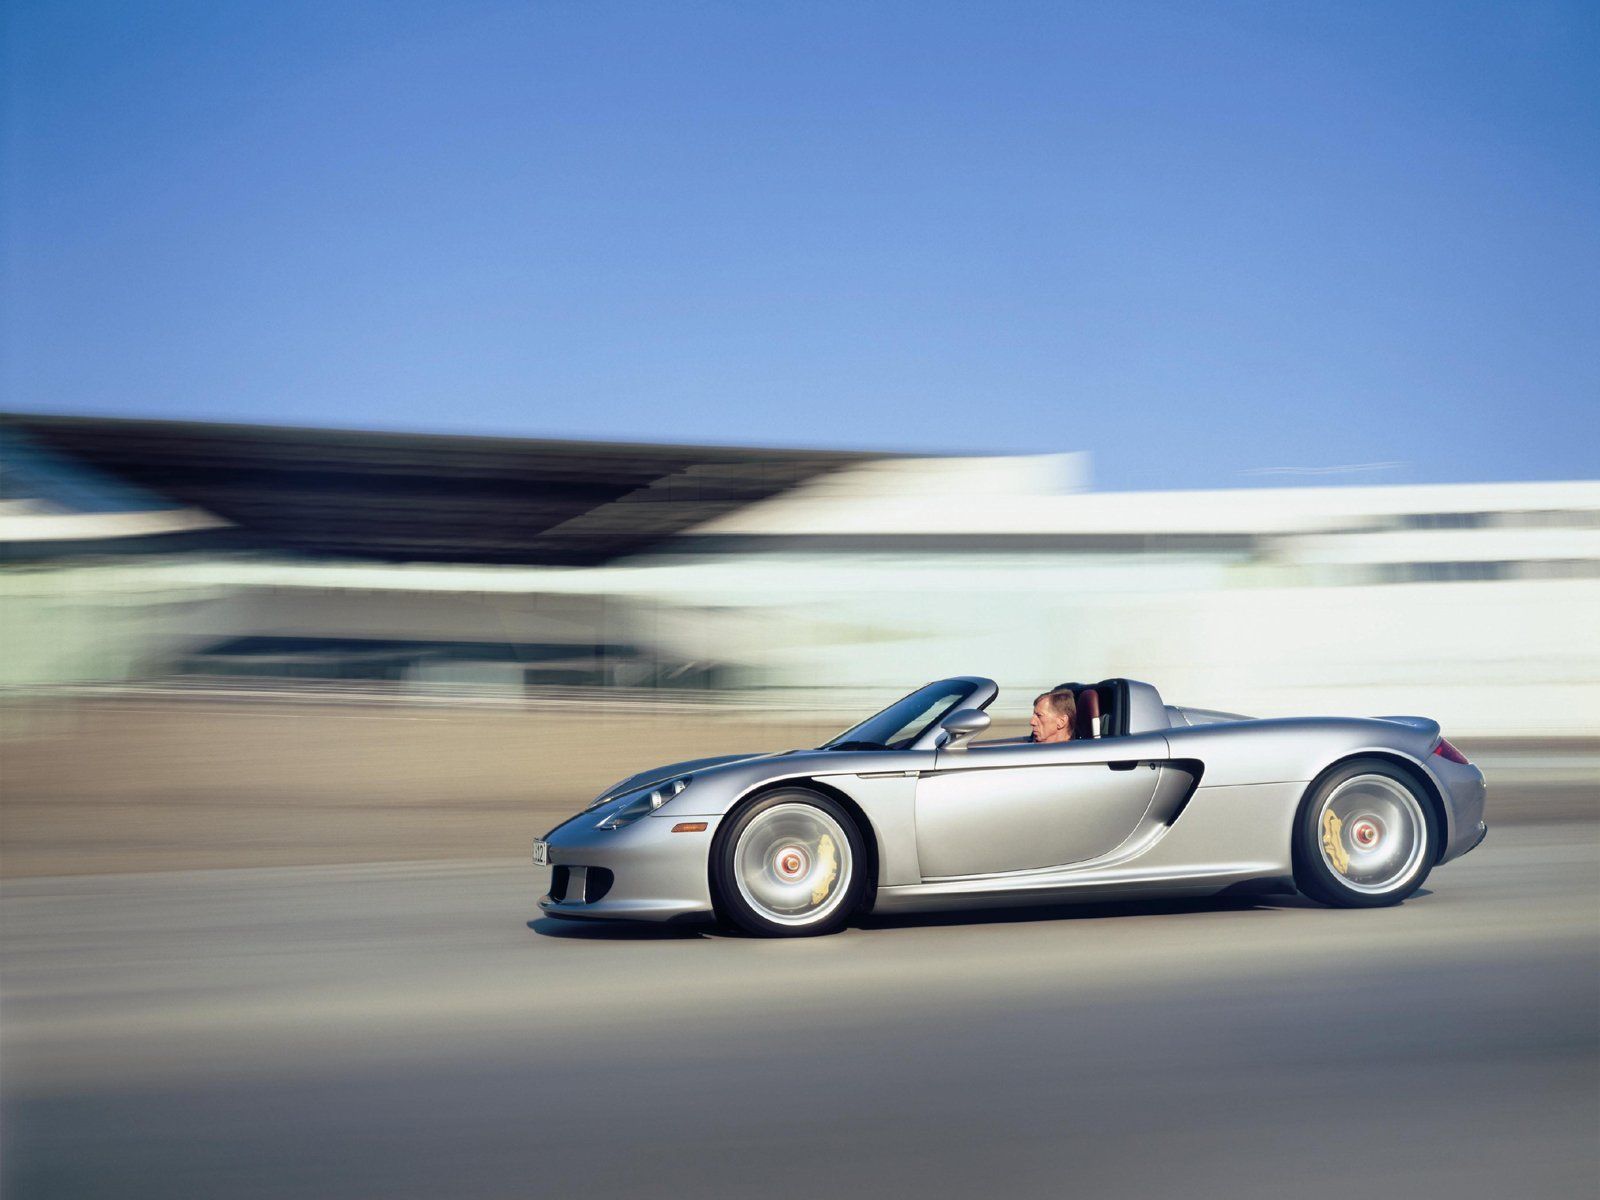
{"x": 1013, "y": 808}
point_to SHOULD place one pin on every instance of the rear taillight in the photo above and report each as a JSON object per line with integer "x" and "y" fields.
{"x": 1446, "y": 751}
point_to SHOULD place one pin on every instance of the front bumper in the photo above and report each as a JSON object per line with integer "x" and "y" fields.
{"x": 654, "y": 874}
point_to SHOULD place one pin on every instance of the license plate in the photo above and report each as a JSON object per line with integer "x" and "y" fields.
{"x": 541, "y": 852}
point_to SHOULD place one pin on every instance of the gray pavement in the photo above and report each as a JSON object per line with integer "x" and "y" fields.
{"x": 413, "y": 1030}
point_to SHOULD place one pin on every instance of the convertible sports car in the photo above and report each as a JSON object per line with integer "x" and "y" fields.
{"x": 905, "y": 811}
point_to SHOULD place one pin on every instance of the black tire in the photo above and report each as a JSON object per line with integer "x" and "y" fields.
{"x": 1383, "y": 828}
{"x": 764, "y": 840}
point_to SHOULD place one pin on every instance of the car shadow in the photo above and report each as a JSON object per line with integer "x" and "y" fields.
{"x": 623, "y": 931}
{"x": 1083, "y": 911}
{"x": 647, "y": 931}
{"x": 1103, "y": 910}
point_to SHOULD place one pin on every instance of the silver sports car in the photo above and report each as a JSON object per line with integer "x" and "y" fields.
{"x": 905, "y": 811}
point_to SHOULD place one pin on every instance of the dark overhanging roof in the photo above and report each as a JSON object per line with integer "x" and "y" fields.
{"x": 430, "y": 498}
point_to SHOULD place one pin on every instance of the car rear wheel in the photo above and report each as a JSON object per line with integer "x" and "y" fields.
{"x": 1366, "y": 836}
{"x": 793, "y": 864}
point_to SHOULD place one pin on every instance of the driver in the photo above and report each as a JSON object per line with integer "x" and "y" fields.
{"x": 1054, "y": 714}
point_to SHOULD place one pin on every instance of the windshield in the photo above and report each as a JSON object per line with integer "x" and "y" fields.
{"x": 904, "y": 721}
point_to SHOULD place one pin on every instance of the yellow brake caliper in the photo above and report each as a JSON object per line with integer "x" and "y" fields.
{"x": 1333, "y": 843}
{"x": 829, "y": 863}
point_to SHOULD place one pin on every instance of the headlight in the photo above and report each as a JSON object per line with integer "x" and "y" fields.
{"x": 642, "y": 803}
{"x": 607, "y": 796}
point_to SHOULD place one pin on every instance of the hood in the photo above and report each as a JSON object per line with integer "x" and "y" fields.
{"x": 657, "y": 774}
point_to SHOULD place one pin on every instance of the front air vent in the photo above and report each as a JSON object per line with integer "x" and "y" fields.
{"x": 597, "y": 883}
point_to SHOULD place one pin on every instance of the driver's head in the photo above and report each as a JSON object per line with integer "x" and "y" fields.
{"x": 1053, "y": 716}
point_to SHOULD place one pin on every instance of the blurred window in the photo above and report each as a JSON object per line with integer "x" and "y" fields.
{"x": 1552, "y": 518}
{"x": 1447, "y": 520}
{"x": 399, "y": 662}
{"x": 1448, "y": 572}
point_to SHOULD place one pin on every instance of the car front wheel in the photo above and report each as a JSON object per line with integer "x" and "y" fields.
{"x": 793, "y": 864}
{"x": 1366, "y": 836}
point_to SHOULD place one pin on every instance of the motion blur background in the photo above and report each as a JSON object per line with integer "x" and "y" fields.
{"x": 504, "y": 627}
{"x": 419, "y": 417}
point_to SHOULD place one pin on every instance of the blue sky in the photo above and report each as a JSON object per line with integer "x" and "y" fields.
{"x": 1193, "y": 239}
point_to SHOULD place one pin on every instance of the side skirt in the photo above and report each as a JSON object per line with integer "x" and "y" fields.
{"x": 1110, "y": 884}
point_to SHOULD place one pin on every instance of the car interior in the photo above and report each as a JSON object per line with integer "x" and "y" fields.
{"x": 1102, "y": 712}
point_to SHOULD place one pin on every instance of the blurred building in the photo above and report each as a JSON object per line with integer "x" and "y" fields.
{"x": 148, "y": 549}
{"x": 210, "y": 554}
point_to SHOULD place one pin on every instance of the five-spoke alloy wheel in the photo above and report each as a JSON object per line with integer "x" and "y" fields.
{"x": 1366, "y": 835}
{"x": 792, "y": 864}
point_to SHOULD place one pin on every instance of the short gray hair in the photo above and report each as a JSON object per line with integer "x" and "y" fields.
{"x": 1063, "y": 702}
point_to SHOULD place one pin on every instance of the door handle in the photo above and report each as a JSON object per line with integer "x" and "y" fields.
{"x": 1122, "y": 766}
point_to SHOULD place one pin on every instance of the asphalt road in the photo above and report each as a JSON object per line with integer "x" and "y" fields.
{"x": 414, "y": 1031}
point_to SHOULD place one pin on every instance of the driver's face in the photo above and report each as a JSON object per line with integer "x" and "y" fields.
{"x": 1047, "y": 724}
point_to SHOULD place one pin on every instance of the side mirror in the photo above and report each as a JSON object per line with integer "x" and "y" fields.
{"x": 959, "y": 726}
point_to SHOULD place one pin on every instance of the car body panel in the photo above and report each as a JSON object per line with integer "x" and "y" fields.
{"x": 890, "y": 803}
{"x": 1186, "y": 809}
{"x": 659, "y": 875}
{"x": 670, "y": 771}
{"x": 1017, "y": 807}
{"x": 1291, "y": 749}
{"x": 1233, "y": 836}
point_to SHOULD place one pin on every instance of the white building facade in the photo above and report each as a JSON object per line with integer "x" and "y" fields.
{"x": 1478, "y": 604}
